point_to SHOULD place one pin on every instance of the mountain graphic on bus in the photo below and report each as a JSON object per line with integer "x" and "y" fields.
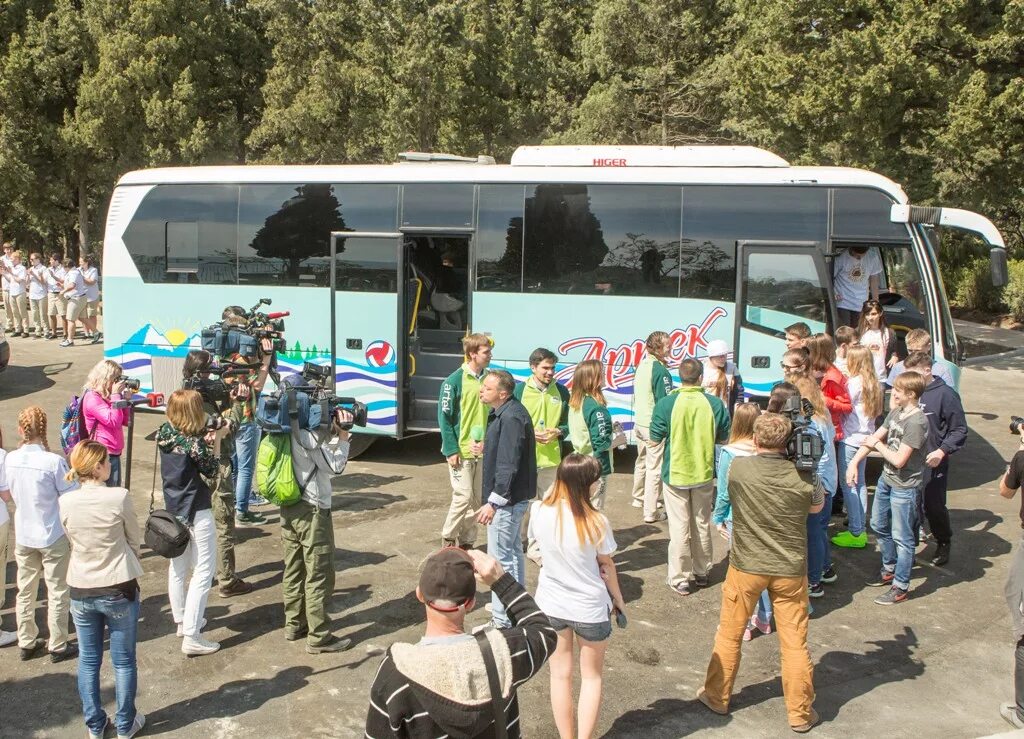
{"x": 374, "y": 386}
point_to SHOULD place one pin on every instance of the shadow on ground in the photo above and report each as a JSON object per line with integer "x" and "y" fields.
{"x": 17, "y": 381}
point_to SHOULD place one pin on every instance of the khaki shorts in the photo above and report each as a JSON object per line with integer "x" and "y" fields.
{"x": 76, "y": 307}
{"x": 92, "y": 308}
{"x": 58, "y": 305}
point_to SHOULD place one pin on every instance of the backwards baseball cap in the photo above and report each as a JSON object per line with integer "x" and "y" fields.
{"x": 448, "y": 575}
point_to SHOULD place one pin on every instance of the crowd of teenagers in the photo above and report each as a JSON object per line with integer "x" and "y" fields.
{"x": 46, "y": 298}
{"x": 709, "y": 463}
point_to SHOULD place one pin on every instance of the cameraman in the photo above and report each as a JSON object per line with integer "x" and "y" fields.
{"x": 244, "y": 394}
{"x": 771, "y": 500}
{"x": 197, "y": 366}
{"x": 1013, "y": 711}
{"x": 308, "y": 533}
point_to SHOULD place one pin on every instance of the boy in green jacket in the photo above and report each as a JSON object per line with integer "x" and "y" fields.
{"x": 462, "y": 419}
{"x": 651, "y": 383}
{"x": 547, "y": 402}
{"x": 690, "y": 422}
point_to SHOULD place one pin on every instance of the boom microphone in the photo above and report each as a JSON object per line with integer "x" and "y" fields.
{"x": 279, "y": 314}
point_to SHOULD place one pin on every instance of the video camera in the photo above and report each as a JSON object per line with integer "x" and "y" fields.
{"x": 224, "y": 339}
{"x": 315, "y": 403}
{"x": 215, "y": 391}
{"x": 804, "y": 446}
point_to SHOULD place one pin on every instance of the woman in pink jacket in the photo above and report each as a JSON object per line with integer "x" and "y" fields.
{"x": 103, "y": 422}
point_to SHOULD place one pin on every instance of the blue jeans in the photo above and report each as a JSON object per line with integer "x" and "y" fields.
{"x": 505, "y": 544}
{"x": 243, "y": 462}
{"x": 819, "y": 555}
{"x": 114, "y": 481}
{"x": 894, "y": 519}
{"x": 121, "y": 617}
{"x": 764, "y": 607}
{"x": 855, "y": 498}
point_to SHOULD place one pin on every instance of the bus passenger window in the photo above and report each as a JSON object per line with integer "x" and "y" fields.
{"x": 783, "y": 288}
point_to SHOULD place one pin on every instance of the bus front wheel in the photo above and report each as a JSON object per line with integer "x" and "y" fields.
{"x": 359, "y": 443}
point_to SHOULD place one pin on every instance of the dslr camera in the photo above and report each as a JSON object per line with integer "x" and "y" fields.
{"x": 308, "y": 401}
{"x": 131, "y": 383}
{"x": 804, "y": 446}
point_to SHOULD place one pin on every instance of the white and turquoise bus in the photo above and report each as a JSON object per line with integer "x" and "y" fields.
{"x": 584, "y": 250}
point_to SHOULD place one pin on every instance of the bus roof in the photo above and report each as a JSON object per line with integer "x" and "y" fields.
{"x": 696, "y": 165}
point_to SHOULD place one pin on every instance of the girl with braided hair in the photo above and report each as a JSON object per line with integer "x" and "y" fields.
{"x": 36, "y": 478}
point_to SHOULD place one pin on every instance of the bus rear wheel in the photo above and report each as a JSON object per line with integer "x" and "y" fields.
{"x": 359, "y": 443}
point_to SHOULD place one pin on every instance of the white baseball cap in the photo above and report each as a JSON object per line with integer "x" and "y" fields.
{"x": 717, "y": 348}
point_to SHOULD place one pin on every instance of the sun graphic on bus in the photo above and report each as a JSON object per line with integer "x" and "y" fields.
{"x": 380, "y": 354}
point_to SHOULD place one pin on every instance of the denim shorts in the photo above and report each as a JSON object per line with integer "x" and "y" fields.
{"x": 591, "y": 632}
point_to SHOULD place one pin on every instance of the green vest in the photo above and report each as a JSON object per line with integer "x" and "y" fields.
{"x": 545, "y": 409}
{"x": 473, "y": 415}
{"x": 691, "y": 452}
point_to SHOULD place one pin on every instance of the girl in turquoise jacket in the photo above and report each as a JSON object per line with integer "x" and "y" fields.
{"x": 590, "y": 423}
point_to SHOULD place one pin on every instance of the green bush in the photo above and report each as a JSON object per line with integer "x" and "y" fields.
{"x": 972, "y": 287}
{"x": 1013, "y": 293}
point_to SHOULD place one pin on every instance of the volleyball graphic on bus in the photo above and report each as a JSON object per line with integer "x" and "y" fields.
{"x": 380, "y": 354}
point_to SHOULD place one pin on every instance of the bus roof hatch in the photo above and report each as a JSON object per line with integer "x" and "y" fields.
{"x": 430, "y": 156}
{"x": 645, "y": 156}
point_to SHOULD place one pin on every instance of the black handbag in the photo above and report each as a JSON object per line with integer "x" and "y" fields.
{"x": 164, "y": 534}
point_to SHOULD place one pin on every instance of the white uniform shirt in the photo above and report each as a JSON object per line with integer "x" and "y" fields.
{"x": 35, "y": 478}
{"x": 4, "y": 515}
{"x": 92, "y": 292}
{"x": 8, "y": 263}
{"x": 55, "y": 278}
{"x": 73, "y": 279}
{"x": 570, "y": 587}
{"x": 37, "y": 287}
{"x": 15, "y": 284}
{"x": 851, "y": 278}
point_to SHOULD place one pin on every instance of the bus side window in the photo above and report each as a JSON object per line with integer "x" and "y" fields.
{"x": 783, "y": 289}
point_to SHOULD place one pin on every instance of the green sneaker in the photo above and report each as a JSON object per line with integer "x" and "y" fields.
{"x": 848, "y": 540}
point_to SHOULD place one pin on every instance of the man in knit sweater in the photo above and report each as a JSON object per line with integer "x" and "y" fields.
{"x": 439, "y": 686}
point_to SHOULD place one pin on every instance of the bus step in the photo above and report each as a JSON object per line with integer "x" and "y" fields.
{"x": 431, "y": 364}
{"x": 440, "y": 340}
{"x": 421, "y": 426}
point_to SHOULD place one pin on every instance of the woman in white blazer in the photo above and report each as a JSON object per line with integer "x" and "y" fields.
{"x": 103, "y": 576}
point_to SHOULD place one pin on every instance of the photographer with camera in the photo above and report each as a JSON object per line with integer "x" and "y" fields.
{"x": 104, "y": 422}
{"x": 1010, "y": 483}
{"x": 245, "y": 393}
{"x": 771, "y": 499}
{"x": 216, "y": 401}
{"x": 307, "y": 530}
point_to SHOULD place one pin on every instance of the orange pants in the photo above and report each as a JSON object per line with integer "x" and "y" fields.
{"x": 789, "y": 600}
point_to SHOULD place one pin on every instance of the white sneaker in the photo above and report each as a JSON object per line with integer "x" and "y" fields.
{"x": 198, "y": 646}
{"x": 181, "y": 628}
{"x": 102, "y": 733}
{"x": 7, "y": 638}
{"x": 637, "y": 503}
{"x": 658, "y": 516}
{"x": 140, "y": 721}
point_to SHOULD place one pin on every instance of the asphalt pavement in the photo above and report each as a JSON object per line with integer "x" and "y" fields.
{"x": 937, "y": 665}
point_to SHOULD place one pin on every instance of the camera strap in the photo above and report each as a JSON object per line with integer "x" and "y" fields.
{"x": 152, "y": 491}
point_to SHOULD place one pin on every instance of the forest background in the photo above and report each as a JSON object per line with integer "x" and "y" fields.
{"x": 927, "y": 92}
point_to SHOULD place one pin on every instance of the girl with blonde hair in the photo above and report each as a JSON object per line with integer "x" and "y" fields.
{"x": 590, "y": 423}
{"x": 104, "y": 577}
{"x": 819, "y": 556}
{"x": 578, "y": 588}
{"x": 37, "y": 479}
{"x": 186, "y": 458}
{"x": 103, "y": 422}
{"x": 866, "y": 398}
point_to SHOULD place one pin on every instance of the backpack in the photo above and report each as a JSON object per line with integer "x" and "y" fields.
{"x": 275, "y": 477}
{"x": 72, "y": 425}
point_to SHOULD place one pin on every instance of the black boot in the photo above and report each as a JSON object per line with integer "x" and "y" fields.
{"x": 941, "y": 555}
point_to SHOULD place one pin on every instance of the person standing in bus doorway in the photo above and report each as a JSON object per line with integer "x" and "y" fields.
{"x": 509, "y": 475}
{"x": 855, "y": 277}
{"x": 651, "y": 383}
{"x": 462, "y": 419}
{"x": 547, "y": 402}
{"x": 690, "y": 422}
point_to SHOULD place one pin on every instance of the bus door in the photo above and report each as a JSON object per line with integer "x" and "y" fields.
{"x": 777, "y": 284}
{"x": 367, "y": 311}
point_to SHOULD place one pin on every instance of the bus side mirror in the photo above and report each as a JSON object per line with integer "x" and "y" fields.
{"x": 1000, "y": 272}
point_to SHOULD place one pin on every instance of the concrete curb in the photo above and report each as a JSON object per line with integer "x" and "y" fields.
{"x": 989, "y": 357}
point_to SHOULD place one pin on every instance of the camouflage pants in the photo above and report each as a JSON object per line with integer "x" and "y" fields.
{"x": 224, "y": 518}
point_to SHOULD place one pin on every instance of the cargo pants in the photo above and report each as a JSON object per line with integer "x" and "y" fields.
{"x": 307, "y": 532}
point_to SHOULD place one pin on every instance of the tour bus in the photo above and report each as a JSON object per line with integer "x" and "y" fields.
{"x": 584, "y": 250}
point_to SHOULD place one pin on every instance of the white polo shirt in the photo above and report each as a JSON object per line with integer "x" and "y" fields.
{"x": 4, "y": 515}
{"x": 15, "y": 284}
{"x": 73, "y": 281}
{"x": 35, "y": 478}
{"x": 37, "y": 287}
{"x": 92, "y": 292}
{"x": 8, "y": 263}
{"x": 55, "y": 278}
